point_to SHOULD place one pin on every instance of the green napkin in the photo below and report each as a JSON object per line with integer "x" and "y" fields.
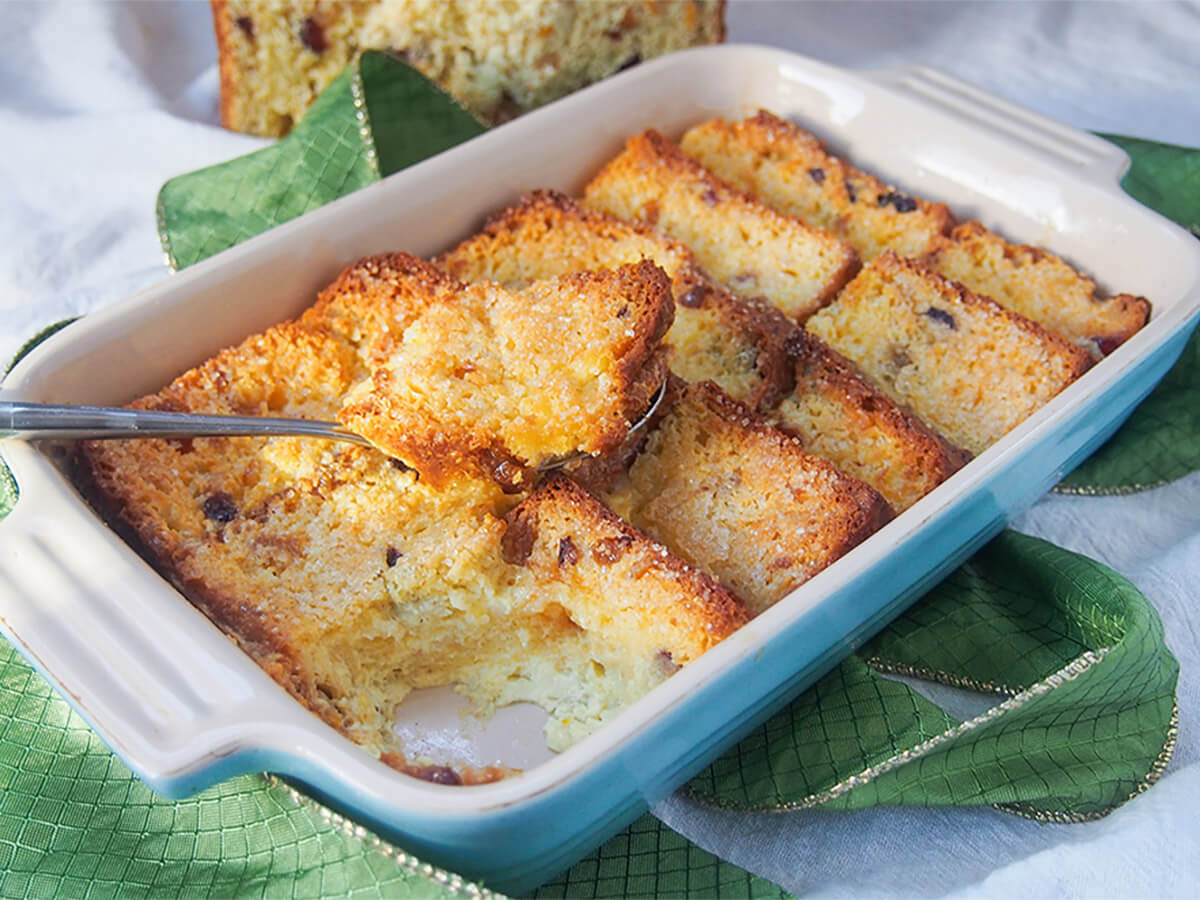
{"x": 1088, "y": 719}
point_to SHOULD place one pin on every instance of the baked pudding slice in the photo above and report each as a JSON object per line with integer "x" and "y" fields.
{"x": 497, "y": 383}
{"x": 750, "y": 248}
{"x": 971, "y": 369}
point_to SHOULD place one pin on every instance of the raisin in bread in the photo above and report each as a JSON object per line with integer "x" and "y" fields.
{"x": 1040, "y": 286}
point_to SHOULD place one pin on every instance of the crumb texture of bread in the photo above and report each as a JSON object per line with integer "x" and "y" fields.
{"x": 494, "y": 381}
{"x": 840, "y": 416}
{"x": 1039, "y": 285}
{"x": 751, "y": 249}
{"x": 969, "y": 368}
{"x": 790, "y": 170}
{"x": 743, "y": 500}
{"x": 498, "y": 58}
{"x": 716, "y": 336}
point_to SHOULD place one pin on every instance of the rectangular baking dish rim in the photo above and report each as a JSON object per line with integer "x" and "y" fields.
{"x": 710, "y": 667}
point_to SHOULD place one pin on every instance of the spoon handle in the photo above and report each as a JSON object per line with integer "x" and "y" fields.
{"x": 41, "y": 421}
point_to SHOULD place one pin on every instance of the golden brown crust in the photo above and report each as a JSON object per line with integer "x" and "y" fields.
{"x": 561, "y": 532}
{"x": 970, "y": 368}
{"x": 842, "y": 417}
{"x": 375, "y": 298}
{"x": 1039, "y": 285}
{"x": 1077, "y": 358}
{"x": 722, "y": 6}
{"x": 784, "y": 166}
{"x": 761, "y": 329}
{"x": 751, "y": 248}
{"x": 741, "y": 499}
{"x": 101, "y": 479}
{"x": 226, "y": 62}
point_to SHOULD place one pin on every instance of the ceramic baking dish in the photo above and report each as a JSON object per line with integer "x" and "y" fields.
{"x": 185, "y": 708}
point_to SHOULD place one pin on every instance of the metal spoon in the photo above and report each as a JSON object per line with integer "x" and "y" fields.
{"x": 22, "y": 421}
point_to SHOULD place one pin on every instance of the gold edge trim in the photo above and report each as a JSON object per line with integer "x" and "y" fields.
{"x": 362, "y": 114}
{"x": 1069, "y": 672}
{"x": 164, "y": 238}
{"x": 410, "y": 864}
{"x": 936, "y": 675}
{"x": 1120, "y": 491}
{"x": 1153, "y": 774}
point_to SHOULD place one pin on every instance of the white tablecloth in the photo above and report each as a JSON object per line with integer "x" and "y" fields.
{"x": 100, "y": 103}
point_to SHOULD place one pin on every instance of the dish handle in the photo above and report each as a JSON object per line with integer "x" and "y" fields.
{"x": 1069, "y": 148}
{"x": 167, "y": 696}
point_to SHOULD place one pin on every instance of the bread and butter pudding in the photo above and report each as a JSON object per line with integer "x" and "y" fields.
{"x": 352, "y": 579}
{"x": 806, "y": 406}
{"x": 498, "y": 58}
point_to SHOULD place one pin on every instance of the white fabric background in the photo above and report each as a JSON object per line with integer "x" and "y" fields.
{"x": 102, "y": 102}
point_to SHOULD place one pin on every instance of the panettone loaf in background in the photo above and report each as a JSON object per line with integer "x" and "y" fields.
{"x": 498, "y": 57}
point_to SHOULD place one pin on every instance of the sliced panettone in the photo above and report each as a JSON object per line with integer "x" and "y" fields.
{"x": 971, "y": 369}
{"x": 840, "y": 416}
{"x": 496, "y": 383}
{"x": 789, "y": 169}
{"x": 741, "y": 499}
{"x": 1040, "y": 286}
{"x": 734, "y": 341}
{"x": 747, "y": 246}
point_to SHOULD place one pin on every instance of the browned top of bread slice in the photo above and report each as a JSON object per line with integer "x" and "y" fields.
{"x": 970, "y": 368}
{"x": 495, "y": 381}
{"x": 617, "y": 579}
{"x": 743, "y": 500}
{"x": 375, "y": 298}
{"x": 1040, "y": 286}
{"x": 747, "y": 246}
{"x": 789, "y": 169}
{"x": 734, "y": 341}
{"x": 840, "y": 416}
